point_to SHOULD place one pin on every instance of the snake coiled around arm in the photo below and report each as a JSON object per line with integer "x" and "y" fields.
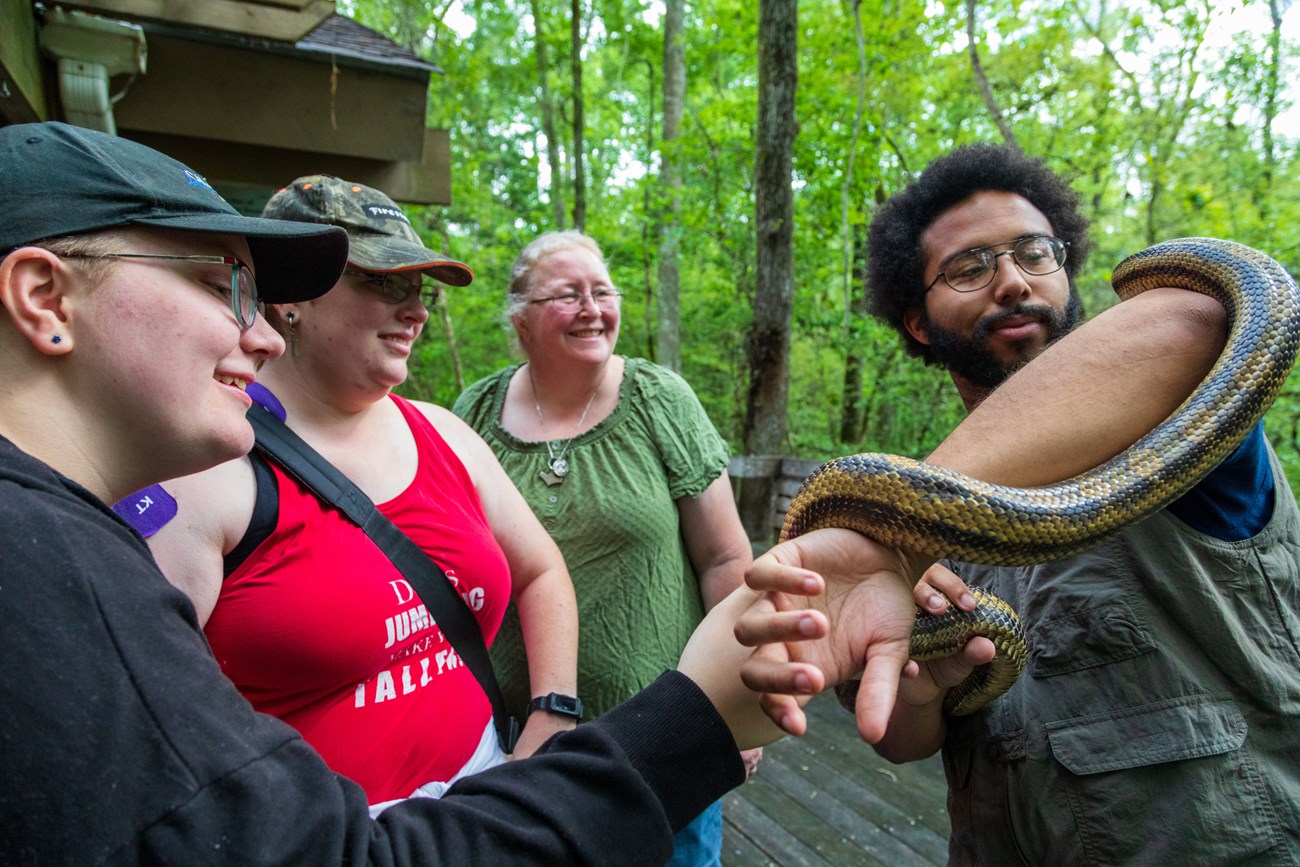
{"x": 909, "y": 504}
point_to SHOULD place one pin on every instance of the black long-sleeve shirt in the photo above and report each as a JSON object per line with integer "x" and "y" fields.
{"x": 122, "y": 743}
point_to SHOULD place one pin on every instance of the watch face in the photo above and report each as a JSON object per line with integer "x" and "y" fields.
{"x": 566, "y": 704}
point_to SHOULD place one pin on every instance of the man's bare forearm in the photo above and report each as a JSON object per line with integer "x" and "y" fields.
{"x": 1093, "y": 393}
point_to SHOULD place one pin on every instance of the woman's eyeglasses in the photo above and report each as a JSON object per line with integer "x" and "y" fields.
{"x": 242, "y": 291}
{"x": 398, "y": 287}
{"x": 571, "y": 302}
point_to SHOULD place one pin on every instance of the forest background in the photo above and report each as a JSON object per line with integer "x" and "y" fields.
{"x": 1171, "y": 118}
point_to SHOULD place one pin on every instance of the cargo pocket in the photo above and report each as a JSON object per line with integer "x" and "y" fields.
{"x": 1099, "y": 636}
{"x": 1166, "y": 782}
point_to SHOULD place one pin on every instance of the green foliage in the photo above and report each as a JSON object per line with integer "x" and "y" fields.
{"x": 1157, "y": 122}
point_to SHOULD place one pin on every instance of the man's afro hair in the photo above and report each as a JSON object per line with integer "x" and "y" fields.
{"x": 895, "y": 274}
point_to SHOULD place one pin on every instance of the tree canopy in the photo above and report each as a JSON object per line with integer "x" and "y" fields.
{"x": 1172, "y": 118}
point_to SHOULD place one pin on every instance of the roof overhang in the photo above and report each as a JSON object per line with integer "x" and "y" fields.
{"x": 252, "y": 111}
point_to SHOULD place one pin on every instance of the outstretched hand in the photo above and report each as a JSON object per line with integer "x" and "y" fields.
{"x": 865, "y": 589}
{"x": 713, "y": 658}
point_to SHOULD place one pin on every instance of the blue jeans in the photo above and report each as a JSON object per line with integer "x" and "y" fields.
{"x": 699, "y": 844}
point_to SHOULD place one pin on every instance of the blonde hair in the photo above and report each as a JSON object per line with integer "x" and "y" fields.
{"x": 91, "y": 244}
{"x": 521, "y": 272}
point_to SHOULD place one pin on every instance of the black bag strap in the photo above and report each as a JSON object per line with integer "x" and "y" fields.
{"x": 453, "y": 616}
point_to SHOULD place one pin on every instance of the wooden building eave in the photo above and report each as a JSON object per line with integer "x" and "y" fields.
{"x": 254, "y": 112}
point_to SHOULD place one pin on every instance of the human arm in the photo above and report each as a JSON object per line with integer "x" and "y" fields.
{"x": 864, "y": 590}
{"x": 717, "y": 656}
{"x": 1081, "y": 398}
{"x": 1091, "y": 394}
{"x": 918, "y": 723}
{"x": 540, "y": 584}
{"x": 720, "y": 552}
{"x": 715, "y": 540}
{"x": 213, "y": 510}
{"x": 1084, "y": 399}
{"x": 694, "y": 461}
{"x": 915, "y": 719}
{"x": 117, "y": 676}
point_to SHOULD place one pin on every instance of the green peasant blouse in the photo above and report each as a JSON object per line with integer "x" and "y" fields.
{"x": 615, "y": 520}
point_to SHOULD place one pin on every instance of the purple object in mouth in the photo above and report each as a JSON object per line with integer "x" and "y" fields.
{"x": 262, "y": 396}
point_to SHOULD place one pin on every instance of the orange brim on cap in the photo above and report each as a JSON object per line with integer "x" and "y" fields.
{"x": 385, "y": 254}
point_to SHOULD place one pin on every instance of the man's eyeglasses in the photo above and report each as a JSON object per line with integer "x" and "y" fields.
{"x": 571, "y": 302}
{"x": 242, "y": 289}
{"x": 398, "y": 287}
{"x": 973, "y": 270}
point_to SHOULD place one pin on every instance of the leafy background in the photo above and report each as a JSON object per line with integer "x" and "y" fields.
{"x": 1171, "y": 119}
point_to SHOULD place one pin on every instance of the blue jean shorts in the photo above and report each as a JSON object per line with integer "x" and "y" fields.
{"x": 699, "y": 844}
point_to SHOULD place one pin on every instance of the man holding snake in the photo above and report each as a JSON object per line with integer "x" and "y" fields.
{"x": 1158, "y": 718}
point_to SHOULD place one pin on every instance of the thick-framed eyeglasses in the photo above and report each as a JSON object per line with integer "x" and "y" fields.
{"x": 242, "y": 289}
{"x": 397, "y": 287}
{"x": 571, "y": 302}
{"x": 972, "y": 270}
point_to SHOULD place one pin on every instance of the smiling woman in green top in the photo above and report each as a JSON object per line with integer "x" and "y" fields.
{"x": 618, "y": 459}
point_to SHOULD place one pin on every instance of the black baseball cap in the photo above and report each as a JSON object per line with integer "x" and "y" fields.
{"x": 57, "y": 180}
{"x": 380, "y": 237}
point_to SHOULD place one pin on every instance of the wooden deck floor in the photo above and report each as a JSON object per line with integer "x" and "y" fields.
{"x": 827, "y": 800}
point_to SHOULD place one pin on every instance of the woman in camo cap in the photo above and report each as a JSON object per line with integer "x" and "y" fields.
{"x": 310, "y": 619}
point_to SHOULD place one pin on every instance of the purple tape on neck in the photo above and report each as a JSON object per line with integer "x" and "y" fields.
{"x": 147, "y": 510}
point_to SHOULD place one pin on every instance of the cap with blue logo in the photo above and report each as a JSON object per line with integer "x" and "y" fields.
{"x": 380, "y": 237}
{"x": 58, "y": 180}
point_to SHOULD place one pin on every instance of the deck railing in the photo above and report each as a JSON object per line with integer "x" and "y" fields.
{"x": 782, "y": 476}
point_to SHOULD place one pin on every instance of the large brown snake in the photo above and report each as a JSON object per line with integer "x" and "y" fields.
{"x": 909, "y": 504}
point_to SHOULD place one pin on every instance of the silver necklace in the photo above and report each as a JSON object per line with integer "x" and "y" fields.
{"x": 556, "y": 466}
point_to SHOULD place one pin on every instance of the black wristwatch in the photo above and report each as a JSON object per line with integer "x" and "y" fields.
{"x": 554, "y": 702}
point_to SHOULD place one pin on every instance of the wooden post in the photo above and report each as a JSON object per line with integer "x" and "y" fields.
{"x": 755, "y": 483}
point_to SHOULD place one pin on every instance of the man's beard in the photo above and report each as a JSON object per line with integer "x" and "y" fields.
{"x": 970, "y": 358}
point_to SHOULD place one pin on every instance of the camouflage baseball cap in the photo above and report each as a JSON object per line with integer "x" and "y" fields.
{"x": 380, "y": 237}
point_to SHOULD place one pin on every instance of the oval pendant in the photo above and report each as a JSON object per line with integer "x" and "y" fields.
{"x": 560, "y": 467}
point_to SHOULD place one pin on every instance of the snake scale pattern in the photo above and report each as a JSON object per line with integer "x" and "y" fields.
{"x": 906, "y": 503}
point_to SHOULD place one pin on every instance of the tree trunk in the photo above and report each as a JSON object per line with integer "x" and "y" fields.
{"x": 579, "y": 173}
{"x": 668, "y": 331}
{"x": 647, "y": 215}
{"x": 768, "y": 343}
{"x": 1276, "y": 10}
{"x": 982, "y": 81}
{"x": 853, "y": 401}
{"x": 548, "y": 120}
{"x": 852, "y": 238}
{"x": 449, "y": 327}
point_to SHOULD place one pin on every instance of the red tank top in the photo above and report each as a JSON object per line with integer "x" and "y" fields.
{"x": 318, "y": 628}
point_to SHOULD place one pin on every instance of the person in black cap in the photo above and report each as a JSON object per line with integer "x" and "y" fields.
{"x": 360, "y": 669}
{"x": 130, "y": 325}
{"x": 80, "y": 208}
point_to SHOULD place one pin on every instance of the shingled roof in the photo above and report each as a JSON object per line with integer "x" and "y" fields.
{"x": 340, "y": 35}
